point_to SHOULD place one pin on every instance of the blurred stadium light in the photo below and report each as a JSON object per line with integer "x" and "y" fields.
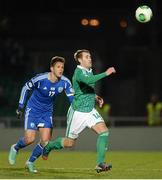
{"x": 93, "y": 22}
{"x": 84, "y": 22}
{"x": 123, "y": 24}
{"x": 44, "y": 29}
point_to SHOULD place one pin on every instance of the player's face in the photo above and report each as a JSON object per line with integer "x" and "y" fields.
{"x": 58, "y": 69}
{"x": 86, "y": 60}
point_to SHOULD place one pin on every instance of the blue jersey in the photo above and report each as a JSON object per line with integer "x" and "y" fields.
{"x": 44, "y": 92}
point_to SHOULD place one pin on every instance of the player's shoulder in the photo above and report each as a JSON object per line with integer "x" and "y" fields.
{"x": 80, "y": 69}
{"x": 40, "y": 76}
{"x": 65, "y": 79}
{"x": 77, "y": 70}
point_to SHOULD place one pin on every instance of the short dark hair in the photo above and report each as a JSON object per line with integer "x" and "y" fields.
{"x": 78, "y": 54}
{"x": 56, "y": 59}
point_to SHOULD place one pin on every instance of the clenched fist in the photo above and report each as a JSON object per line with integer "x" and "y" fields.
{"x": 110, "y": 70}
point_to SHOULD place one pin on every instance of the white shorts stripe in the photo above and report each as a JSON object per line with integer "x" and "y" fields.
{"x": 26, "y": 117}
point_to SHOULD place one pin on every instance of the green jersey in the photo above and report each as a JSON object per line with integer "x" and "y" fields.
{"x": 83, "y": 84}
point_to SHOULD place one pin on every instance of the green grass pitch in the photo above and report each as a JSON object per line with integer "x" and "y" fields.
{"x": 80, "y": 165}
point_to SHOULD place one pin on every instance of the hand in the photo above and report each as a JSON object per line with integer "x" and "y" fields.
{"x": 100, "y": 101}
{"x": 110, "y": 70}
{"x": 19, "y": 113}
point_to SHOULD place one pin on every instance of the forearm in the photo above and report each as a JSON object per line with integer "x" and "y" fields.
{"x": 93, "y": 78}
{"x": 23, "y": 96}
{"x": 70, "y": 98}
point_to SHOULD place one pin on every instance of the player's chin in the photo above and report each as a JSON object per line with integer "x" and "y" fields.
{"x": 90, "y": 65}
{"x": 59, "y": 75}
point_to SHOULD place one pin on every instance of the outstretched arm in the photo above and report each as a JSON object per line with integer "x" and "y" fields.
{"x": 94, "y": 78}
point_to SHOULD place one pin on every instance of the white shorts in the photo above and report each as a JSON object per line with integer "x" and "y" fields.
{"x": 78, "y": 121}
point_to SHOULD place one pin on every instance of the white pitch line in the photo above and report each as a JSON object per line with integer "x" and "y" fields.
{"x": 68, "y": 168}
{"x": 131, "y": 169}
{"x": 143, "y": 169}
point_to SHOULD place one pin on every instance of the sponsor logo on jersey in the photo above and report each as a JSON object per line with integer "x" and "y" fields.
{"x": 40, "y": 125}
{"x": 45, "y": 88}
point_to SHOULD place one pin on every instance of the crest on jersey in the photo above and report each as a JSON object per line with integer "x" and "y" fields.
{"x": 60, "y": 89}
{"x": 52, "y": 88}
{"x": 32, "y": 125}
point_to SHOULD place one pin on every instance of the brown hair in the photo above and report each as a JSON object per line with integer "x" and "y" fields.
{"x": 78, "y": 54}
{"x": 56, "y": 59}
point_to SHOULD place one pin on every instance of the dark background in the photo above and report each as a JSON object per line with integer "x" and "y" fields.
{"x": 31, "y": 32}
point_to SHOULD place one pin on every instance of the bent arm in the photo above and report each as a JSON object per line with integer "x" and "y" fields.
{"x": 69, "y": 91}
{"x": 24, "y": 93}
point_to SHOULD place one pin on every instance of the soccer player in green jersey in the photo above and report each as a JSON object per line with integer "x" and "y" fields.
{"x": 82, "y": 112}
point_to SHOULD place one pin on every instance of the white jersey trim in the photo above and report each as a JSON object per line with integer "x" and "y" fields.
{"x": 40, "y": 77}
{"x": 66, "y": 79}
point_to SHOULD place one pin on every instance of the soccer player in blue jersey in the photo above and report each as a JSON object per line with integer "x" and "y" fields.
{"x": 39, "y": 109}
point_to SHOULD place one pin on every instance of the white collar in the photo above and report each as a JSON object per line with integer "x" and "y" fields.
{"x": 81, "y": 67}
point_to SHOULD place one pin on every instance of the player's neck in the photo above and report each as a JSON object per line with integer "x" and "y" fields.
{"x": 52, "y": 77}
{"x": 87, "y": 69}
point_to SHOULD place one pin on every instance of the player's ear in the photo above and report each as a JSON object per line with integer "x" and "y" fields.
{"x": 79, "y": 60}
{"x": 51, "y": 68}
